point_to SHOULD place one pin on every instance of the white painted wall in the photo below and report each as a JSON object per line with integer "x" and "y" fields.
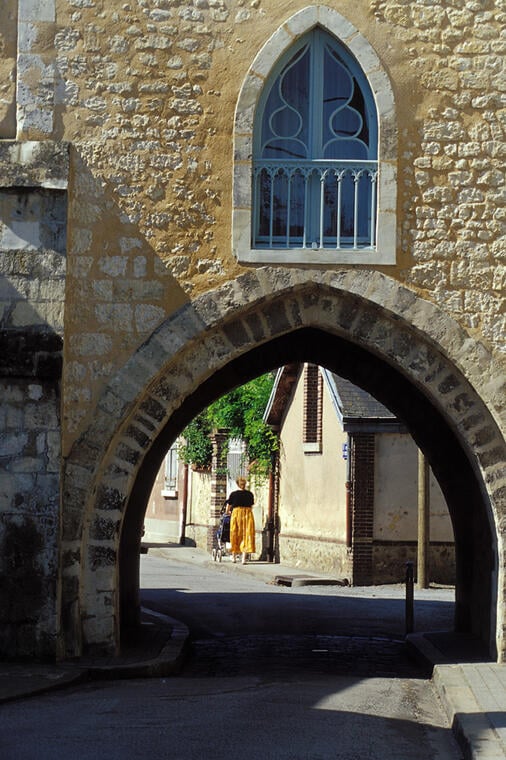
{"x": 312, "y": 486}
{"x": 396, "y": 493}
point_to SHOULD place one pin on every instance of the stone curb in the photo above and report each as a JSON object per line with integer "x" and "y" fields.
{"x": 166, "y": 663}
{"x": 470, "y": 723}
{"x": 21, "y": 682}
{"x": 307, "y": 580}
{"x": 473, "y": 727}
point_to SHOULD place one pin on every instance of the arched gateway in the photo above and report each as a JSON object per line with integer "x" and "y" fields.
{"x": 362, "y": 324}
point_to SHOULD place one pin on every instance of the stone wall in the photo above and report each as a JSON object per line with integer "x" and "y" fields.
{"x": 29, "y": 510}
{"x": 150, "y": 108}
{"x": 316, "y": 556}
{"x": 8, "y": 54}
{"x": 33, "y": 209}
{"x": 389, "y": 562}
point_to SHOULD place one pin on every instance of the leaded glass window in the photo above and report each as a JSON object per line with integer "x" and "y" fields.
{"x": 315, "y": 151}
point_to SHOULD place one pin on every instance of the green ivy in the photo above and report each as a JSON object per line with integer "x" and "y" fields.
{"x": 195, "y": 447}
{"x": 240, "y": 411}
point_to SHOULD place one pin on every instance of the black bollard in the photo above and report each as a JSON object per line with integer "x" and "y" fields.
{"x": 410, "y": 584}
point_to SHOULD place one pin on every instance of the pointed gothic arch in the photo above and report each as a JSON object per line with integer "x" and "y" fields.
{"x": 402, "y": 349}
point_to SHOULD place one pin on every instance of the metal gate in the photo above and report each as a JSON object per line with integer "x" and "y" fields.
{"x": 237, "y": 463}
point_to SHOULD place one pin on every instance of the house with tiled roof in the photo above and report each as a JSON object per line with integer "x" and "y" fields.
{"x": 346, "y": 483}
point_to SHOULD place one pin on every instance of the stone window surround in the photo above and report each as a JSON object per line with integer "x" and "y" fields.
{"x": 297, "y": 25}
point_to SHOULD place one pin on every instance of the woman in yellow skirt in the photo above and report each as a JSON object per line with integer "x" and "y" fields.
{"x": 242, "y": 523}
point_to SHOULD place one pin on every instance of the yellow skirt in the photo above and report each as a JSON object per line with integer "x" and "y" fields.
{"x": 242, "y": 531}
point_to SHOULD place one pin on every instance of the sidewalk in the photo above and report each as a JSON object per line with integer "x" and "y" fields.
{"x": 472, "y": 689}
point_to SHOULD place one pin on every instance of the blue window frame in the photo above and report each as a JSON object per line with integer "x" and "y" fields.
{"x": 315, "y": 158}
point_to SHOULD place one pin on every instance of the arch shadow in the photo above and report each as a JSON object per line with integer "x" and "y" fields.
{"x": 474, "y": 540}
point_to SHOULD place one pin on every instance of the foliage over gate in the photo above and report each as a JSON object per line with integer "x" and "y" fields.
{"x": 241, "y": 412}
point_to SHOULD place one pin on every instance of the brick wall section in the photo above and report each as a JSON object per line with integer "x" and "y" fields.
{"x": 218, "y": 486}
{"x": 362, "y": 506}
{"x": 313, "y": 404}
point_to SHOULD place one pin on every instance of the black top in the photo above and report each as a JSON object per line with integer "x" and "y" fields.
{"x": 241, "y": 498}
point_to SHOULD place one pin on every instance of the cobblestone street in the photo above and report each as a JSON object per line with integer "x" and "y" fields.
{"x": 271, "y": 656}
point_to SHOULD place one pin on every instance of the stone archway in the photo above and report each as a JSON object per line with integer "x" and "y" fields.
{"x": 401, "y": 348}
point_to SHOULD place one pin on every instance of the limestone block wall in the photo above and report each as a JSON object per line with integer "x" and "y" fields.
{"x": 33, "y": 210}
{"x": 29, "y": 511}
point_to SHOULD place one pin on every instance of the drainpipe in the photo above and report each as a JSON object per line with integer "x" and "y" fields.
{"x": 184, "y": 506}
{"x": 270, "y": 514}
{"x": 423, "y": 521}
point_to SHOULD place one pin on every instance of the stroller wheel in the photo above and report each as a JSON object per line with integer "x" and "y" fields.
{"x": 214, "y": 554}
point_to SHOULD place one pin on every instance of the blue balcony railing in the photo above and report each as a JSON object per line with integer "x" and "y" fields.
{"x": 315, "y": 204}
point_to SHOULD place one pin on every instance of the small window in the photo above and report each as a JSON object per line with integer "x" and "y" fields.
{"x": 171, "y": 472}
{"x": 315, "y": 159}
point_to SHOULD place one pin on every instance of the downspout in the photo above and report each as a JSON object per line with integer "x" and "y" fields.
{"x": 272, "y": 508}
{"x": 423, "y": 521}
{"x": 184, "y": 506}
{"x": 270, "y": 513}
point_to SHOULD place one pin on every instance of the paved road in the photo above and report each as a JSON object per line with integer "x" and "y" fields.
{"x": 220, "y": 598}
{"x": 199, "y": 718}
{"x": 269, "y": 677}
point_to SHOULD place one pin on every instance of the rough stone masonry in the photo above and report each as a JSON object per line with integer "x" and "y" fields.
{"x": 122, "y": 158}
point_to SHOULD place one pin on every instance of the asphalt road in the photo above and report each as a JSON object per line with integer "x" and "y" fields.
{"x": 219, "y": 598}
{"x": 273, "y": 673}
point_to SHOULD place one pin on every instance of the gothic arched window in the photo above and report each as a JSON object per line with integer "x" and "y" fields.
{"x": 315, "y": 151}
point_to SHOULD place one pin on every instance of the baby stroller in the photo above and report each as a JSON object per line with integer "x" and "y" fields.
{"x": 222, "y": 536}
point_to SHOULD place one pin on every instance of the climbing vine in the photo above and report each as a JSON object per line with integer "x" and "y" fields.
{"x": 240, "y": 412}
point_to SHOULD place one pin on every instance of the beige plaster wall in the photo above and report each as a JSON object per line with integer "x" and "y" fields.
{"x": 312, "y": 492}
{"x": 199, "y": 497}
{"x": 146, "y": 93}
{"x": 396, "y": 493}
{"x": 162, "y": 522}
{"x": 260, "y": 489}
